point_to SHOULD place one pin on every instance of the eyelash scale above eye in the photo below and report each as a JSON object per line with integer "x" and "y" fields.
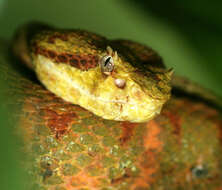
{"x": 107, "y": 61}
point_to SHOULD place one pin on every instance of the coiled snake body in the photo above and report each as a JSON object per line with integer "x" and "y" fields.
{"x": 69, "y": 147}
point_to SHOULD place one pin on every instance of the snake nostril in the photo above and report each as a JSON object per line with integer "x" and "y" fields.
{"x": 120, "y": 83}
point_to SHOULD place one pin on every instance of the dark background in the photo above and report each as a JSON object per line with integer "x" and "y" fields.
{"x": 187, "y": 34}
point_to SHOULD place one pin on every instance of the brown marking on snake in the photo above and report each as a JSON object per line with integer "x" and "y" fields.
{"x": 74, "y": 62}
{"x": 55, "y": 36}
{"x": 51, "y": 54}
{"x": 176, "y": 122}
{"x": 59, "y": 123}
{"x": 127, "y": 132}
{"x": 82, "y": 62}
{"x": 62, "y": 58}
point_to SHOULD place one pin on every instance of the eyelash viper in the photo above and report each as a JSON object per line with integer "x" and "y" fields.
{"x": 68, "y": 147}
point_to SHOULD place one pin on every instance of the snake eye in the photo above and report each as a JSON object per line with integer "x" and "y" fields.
{"x": 107, "y": 64}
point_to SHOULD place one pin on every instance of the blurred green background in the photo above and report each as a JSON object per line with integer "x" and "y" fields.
{"x": 187, "y": 34}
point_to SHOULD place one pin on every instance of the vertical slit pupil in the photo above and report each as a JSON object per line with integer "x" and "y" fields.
{"x": 107, "y": 61}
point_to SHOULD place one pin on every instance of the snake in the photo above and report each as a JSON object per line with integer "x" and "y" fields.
{"x": 98, "y": 74}
{"x": 84, "y": 134}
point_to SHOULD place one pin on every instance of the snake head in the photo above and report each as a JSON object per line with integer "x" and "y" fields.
{"x": 76, "y": 67}
{"x": 132, "y": 93}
